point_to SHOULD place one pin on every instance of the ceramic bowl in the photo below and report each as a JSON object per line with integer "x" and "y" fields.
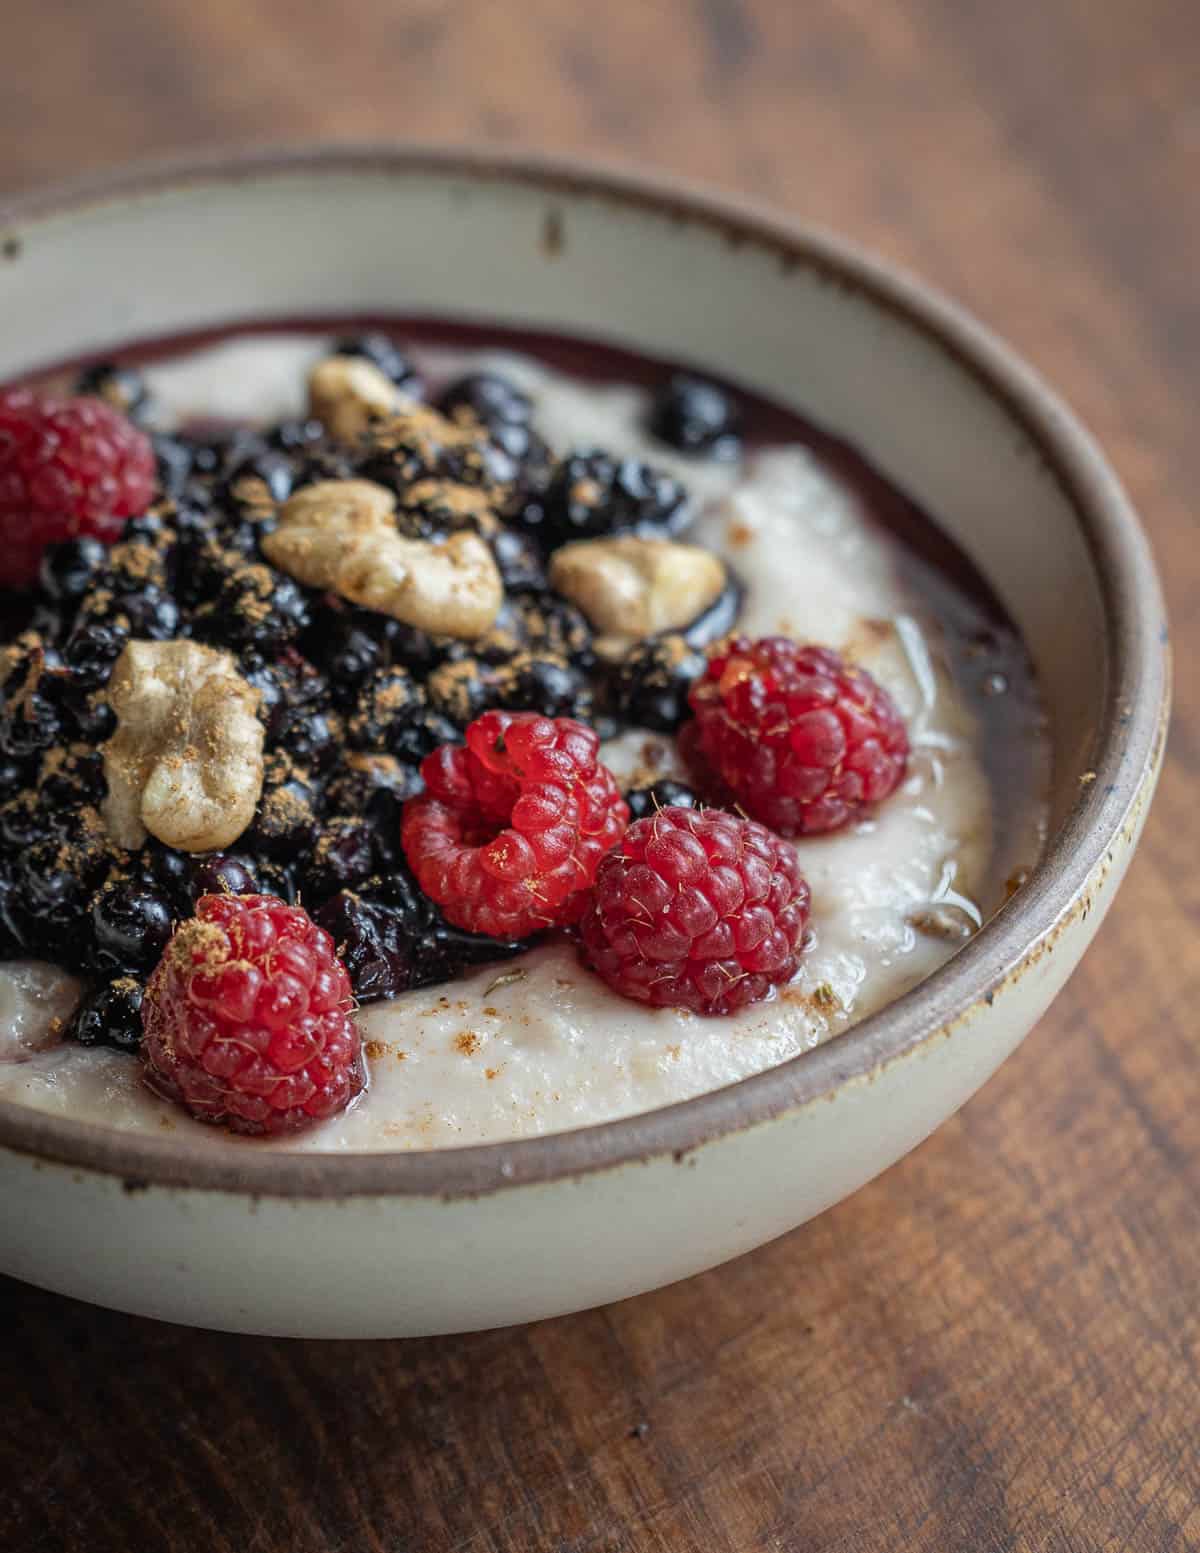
{"x": 413, "y": 1243}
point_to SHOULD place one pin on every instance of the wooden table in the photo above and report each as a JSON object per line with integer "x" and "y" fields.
{"x": 997, "y": 1345}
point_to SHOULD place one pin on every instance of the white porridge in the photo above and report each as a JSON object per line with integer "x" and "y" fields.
{"x": 538, "y": 1044}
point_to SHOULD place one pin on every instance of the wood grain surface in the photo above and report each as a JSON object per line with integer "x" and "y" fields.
{"x": 997, "y": 1345}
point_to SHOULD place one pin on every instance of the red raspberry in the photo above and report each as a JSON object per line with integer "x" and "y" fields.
{"x": 800, "y": 738}
{"x": 697, "y": 909}
{"x": 248, "y": 1018}
{"x": 510, "y": 830}
{"x": 68, "y": 467}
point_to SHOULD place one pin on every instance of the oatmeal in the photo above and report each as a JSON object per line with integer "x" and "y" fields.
{"x": 770, "y": 540}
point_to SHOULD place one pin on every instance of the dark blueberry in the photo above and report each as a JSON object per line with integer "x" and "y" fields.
{"x": 23, "y": 822}
{"x": 122, "y": 387}
{"x": 29, "y": 716}
{"x": 194, "y": 525}
{"x": 397, "y": 940}
{"x": 269, "y": 679}
{"x": 548, "y": 686}
{"x": 92, "y": 648}
{"x": 110, "y": 1016}
{"x": 148, "y": 528}
{"x": 261, "y": 477}
{"x": 234, "y": 445}
{"x": 68, "y": 568}
{"x": 531, "y": 460}
{"x": 362, "y": 782}
{"x": 343, "y": 858}
{"x": 175, "y": 460}
{"x": 73, "y": 780}
{"x": 505, "y": 638}
{"x": 384, "y": 353}
{"x": 391, "y": 715}
{"x": 551, "y": 627}
{"x": 375, "y": 787}
{"x": 344, "y": 652}
{"x": 53, "y": 883}
{"x": 295, "y": 436}
{"x": 490, "y": 397}
{"x": 413, "y": 741}
{"x": 520, "y": 682}
{"x": 291, "y": 689}
{"x": 222, "y": 873}
{"x": 89, "y": 715}
{"x": 594, "y": 494}
{"x": 649, "y": 686}
{"x": 519, "y": 559}
{"x": 208, "y": 455}
{"x": 131, "y": 925}
{"x": 152, "y": 613}
{"x": 288, "y": 814}
{"x": 413, "y": 450}
{"x": 696, "y": 416}
{"x": 414, "y": 650}
{"x": 314, "y": 738}
{"x": 660, "y": 795}
{"x": 244, "y": 604}
{"x": 30, "y": 724}
{"x": 171, "y": 871}
{"x": 244, "y": 537}
{"x": 327, "y": 460}
{"x": 15, "y": 776}
{"x": 374, "y": 943}
{"x": 275, "y": 878}
{"x": 462, "y": 690}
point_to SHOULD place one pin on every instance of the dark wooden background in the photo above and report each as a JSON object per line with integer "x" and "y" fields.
{"x": 997, "y": 1345}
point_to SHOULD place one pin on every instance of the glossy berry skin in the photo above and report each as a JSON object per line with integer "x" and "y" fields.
{"x": 697, "y": 909}
{"x": 666, "y": 794}
{"x": 393, "y": 938}
{"x": 131, "y": 925}
{"x": 696, "y": 416}
{"x": 593, "y": 494}
{"x": 67, "y": 569}
{"x": 511, "y": 828}
{"x": 68, "y": 468}
{"x": 219, "y": 873}
{"x": 111, "y": 1015}
{"x": 490, "y": 397}
{"x": 248, "y": 1019}
{"x": 802, "y": 739}
{"x": 649, "y": 687}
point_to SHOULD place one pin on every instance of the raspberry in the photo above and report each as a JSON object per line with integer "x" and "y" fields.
{"x": 248, "y": 1020}
{"x": 67, "y": 467}
{"x": 801, "y": 739}
{"x": 697, "y": 909}
{"x": 510, "y": 830}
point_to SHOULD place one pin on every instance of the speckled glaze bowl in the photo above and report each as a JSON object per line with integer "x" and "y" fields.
{"x": 412, "y": 1243}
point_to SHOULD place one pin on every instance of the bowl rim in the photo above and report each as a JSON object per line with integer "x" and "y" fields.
{"x": 1127, "y": 744}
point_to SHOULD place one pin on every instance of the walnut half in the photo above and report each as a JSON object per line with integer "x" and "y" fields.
{"x": 186, "y": 761}
{"x": 348, "y": 395}
{"x": 341, "y": 535}
{"x": 630, "y": 587}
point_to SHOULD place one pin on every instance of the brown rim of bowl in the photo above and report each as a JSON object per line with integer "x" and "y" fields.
{"x": 1124, "y": 756}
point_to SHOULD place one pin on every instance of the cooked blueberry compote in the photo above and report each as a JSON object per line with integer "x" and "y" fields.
{"x": 414, "y": 735}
